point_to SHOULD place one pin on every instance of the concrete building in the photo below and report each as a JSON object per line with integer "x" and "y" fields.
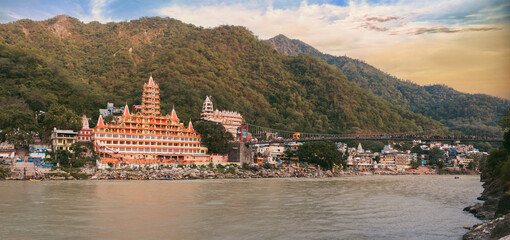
{"x": 111, "y": 110}
{"x": 63, "y": 139}
{"x": 240, "y": 153}
{"x": 7, "y": 150}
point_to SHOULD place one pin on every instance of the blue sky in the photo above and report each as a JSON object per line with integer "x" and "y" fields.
{"x": 453, "y": 12}
{"x": 461, "y": 43}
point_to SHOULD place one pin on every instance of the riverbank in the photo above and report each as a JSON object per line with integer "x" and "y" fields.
{"x": 183, "y": 172}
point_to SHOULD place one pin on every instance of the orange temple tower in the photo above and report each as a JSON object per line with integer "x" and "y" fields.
{"x": 146, "y": 137}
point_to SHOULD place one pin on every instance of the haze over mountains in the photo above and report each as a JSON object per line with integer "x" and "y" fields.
{"x": 82, "y": 66}
{"x": 476, "y": 114}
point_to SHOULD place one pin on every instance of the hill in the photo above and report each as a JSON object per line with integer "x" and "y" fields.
{"x": 82, "y": 66}
{"x": 473, "y": 114}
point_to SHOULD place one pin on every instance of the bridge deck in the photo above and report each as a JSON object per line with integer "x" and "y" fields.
{"x": 377, "y": 139}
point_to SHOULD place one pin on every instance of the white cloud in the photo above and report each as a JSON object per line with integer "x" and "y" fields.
{"x": 98, "y": 11}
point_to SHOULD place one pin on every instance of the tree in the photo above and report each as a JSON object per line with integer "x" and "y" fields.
{"x": 58, "y": 116}
{"x": 440, "y": 164}
{"x": 505, "y": 125}
{"x": 415, "y": 163}
{"x": 289, "y": 154}
{"x": 63, "y": 157}
{"x": 435, "y": 154}
{"x": 471, "y": 165}
{"x": 324, "y": 154}
{"x": 405, "y": 146}
{"x": 4, "y": 172}
{"x": 17, "y": 122}
{"x": 214, "y": 136}
{"x": 417, "y": 149}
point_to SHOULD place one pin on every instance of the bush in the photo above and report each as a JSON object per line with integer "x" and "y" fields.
{"x": 268, "y": 166}
{"x": 246, "y": 166}
{"x": 4, "y": 172}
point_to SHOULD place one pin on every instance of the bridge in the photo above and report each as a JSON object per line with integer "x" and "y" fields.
{"x": 250, "y": 133}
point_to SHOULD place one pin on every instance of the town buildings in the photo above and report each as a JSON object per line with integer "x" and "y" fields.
{"x": 231, "y": 120}
{"x": 147, "y": 137}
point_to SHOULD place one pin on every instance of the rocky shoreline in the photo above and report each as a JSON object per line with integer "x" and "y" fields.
{"x": 183, "y": 172}
{"x": 495, "y": 225}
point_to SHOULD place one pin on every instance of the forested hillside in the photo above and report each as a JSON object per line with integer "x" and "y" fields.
{"x": 476, "y": 114}
{"x": 62, "y": 61}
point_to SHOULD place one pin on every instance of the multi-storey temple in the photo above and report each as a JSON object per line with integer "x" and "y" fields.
{"x": 145, "y": 137}
{"x": 229, "y": 119}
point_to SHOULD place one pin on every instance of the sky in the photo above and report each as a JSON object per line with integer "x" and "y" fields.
{"x": 464, "y": 44}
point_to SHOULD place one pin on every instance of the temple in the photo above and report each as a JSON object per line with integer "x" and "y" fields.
{"x": 229, "y": 119}
{"x": 84, "y": 135}
{"x": 146, "y": 137}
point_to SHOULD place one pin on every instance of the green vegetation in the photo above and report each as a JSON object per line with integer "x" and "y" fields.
{"x": 473, "y": 114}
{"x": 58, "y": 116}
{"x": 324, "y": 154}
{"x": 415, "y": 164}
{"x": 80, "y": 154}
{"x": 63, "y": 62}
{"x": 214, "y": 136}
{"x": 497, "y": 167}
{"x": 436, "y": 157}
{"x": 4, "y": 172}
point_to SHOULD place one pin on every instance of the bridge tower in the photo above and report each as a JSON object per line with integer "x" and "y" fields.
{"x": 243, "y": 133}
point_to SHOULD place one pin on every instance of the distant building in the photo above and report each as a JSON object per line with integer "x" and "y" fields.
{"x": 231, "y": 120}
{"x": 7, "y": 150}
{"x": 63, "y": 139}
{"x": 38, "y": 151}
{"x": 462, "y": 161}
{"x": 360, "y": 148}
{"x": 84, "y": 135}
{"x": 111, "y": 110}
{"x": 388, "y": 149}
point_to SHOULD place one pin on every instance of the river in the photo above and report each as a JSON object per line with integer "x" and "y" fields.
{"x": 367, "y": 207}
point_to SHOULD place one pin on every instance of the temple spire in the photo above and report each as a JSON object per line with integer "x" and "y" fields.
{"x": 190, "y": 126}
{"x": 100, "y": 123}
{"x": 126, "y": 111}
{"x": 173, "y": 116}
{"x": 151, "y": 81}
{"x": 85, "y": 122}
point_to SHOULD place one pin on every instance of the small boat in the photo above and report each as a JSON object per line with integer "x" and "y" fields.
{"x": 456, "y": 178}
{"x": 35, "y": 180}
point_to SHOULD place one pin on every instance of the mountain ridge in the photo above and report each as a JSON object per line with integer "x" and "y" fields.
{"x": 476, "y": 114}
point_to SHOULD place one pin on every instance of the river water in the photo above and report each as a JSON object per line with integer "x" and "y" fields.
{"x": 368, "y": 207}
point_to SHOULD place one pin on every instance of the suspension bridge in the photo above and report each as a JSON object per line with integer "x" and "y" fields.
{"x": 252, "y": 134}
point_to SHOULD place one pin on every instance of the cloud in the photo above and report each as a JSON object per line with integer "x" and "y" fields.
{"x": 443, "y": 29}
{"x": 373, "y": 27}
{"x": 98, "y": 11}
{"x": 382, "y": 19}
